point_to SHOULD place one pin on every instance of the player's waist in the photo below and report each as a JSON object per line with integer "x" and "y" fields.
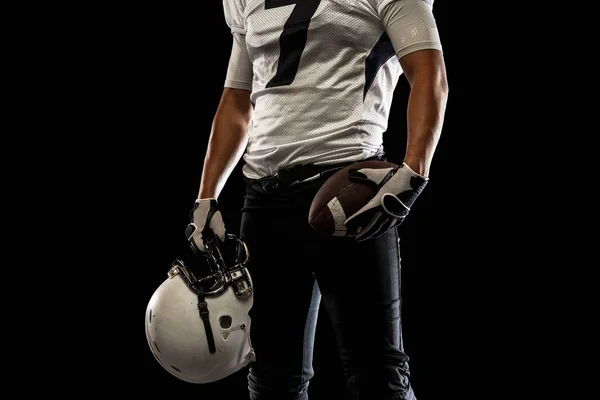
{"x": 299, "y": 174}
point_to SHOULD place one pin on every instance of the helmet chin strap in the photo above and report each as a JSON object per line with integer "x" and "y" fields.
{"x": 204, "y": 314}
{"x": 179, "y": 268}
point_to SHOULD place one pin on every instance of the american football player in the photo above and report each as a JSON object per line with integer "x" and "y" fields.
{"x": 308, "y": 90}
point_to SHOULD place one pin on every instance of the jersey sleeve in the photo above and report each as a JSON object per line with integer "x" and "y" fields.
{"x": 239, "y": 70}
{"x": 233, "y": 11}
{"x": 410, "y": 24}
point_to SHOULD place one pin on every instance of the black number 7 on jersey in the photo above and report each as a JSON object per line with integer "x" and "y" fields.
{"x": 293, "y": 38}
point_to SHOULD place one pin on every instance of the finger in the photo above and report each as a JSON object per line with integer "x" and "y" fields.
{"x": 394, "y": 206}
{"x": 196, "y": 237}
{"x": 383, "y": 225}
{"x": 360, "y": 222}
{"x": 217, "y": 225}
{"x": 355, "y": 174}
{"x": 189, "y": 230}
{"x": 357, "y": 177}
{"x": 376, "y": 175}
{"x": 386, "y": 223}
{"x": 365, "y": 232}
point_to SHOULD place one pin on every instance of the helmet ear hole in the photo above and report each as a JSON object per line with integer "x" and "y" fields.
{"x": 225, "y": 321}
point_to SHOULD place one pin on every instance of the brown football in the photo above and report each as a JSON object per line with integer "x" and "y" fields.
{"x": 339, "y": 198}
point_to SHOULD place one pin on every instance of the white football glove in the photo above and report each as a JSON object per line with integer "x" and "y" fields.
{"x": 397, "y": 189}
{"x": 206, "y": 222}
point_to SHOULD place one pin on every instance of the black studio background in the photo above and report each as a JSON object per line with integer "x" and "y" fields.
{"x": 163, "y": 74}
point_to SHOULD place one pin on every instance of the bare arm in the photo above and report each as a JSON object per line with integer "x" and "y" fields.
{"x": 412, "y": 28}
{"x": 227, "y": 142}
{"x": 426, "y": 73}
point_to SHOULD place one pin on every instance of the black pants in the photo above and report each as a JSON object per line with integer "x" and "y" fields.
{"x": 293, "y": 270}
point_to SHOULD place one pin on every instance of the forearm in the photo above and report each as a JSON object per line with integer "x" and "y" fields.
{"x": 425, "y": 117}
{"x": 412, "y": 29}
{"x": 227, "y": 142}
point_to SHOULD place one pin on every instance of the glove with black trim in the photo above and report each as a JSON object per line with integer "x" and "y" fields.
{"x": 206, "y": 223}
{"x": 396, "y": 191}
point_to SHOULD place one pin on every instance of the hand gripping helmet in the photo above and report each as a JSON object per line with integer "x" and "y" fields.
{"x": 197, "y": 322}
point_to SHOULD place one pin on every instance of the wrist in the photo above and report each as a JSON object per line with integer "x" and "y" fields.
{"x": 207, "y": 192}
{"x": 405, "y": 179}
{"x": 418, "y": 166}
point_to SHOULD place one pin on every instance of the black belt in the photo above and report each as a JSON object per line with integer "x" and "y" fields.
{"x": 297, "y": 174}
{"x": 304, "y": 173}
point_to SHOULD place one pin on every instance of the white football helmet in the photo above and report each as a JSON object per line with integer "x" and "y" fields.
{"x": 197, "y": 324}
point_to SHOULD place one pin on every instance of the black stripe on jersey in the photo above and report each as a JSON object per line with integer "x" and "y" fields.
{"x": 379, "y": 55}
{"x": 292, "y": 40}
{"x": 278, "y": 3}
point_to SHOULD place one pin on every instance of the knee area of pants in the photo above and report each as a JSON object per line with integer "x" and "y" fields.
{"x": 265, "y": 385}
{"x": 383, "y": 379}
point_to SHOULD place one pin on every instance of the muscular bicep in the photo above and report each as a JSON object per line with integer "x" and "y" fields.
{"x": 427, "y": 65}
{"x": 235, "y": 106}
{"x": 410, "y": 25}
{"x": 239, "y": 69}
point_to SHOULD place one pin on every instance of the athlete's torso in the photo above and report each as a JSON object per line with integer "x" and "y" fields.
{"x": 324, "y": 76}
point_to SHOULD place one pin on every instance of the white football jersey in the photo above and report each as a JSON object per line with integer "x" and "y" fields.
{"x": 322, "y": 74}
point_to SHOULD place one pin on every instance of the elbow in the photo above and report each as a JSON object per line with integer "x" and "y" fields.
{"x": 440, "y": 87}
{"x": 437, "y": 79}
{"x": 441, "y": 83}
{"x": 235, "y": 108}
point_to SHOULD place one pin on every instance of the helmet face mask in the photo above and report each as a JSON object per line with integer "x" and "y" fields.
{"x": 197, "y": 322}
{"x": 218, "y": 268}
